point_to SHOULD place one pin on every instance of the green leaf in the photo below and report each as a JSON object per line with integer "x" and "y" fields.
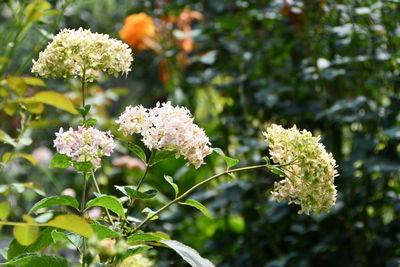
{"x": 55, "y": 201}
{"x": 4, "y": 210}
{"x": 26, "y": 234}
{"x": 59, "y": 236}
{"x": 32, "y": 107}
{"x": 35, "y": 260}
{"x": 137, "y": 150}
{"x": 190, "y": 255}
{"x": 277, "y": 171}
{"x": 103, "y": 231}
{"x": 55, "y": 99}
{"x": 17, "y": 84}
{"x": 131, "y": 192}
{"x": 90, "y": 122}
{"x": 8, "y": 157}
{"x": 85, "y": 166}
{"x": 34, "y": 81}
{"x": 267, "y": 160}
{"x": 144, "y": 237}
{"x": 72, "y": 238}
{"x": 60, "y": 161}
{"x": 44, "y": 240}
{"x": 150, "y": 213}
{"x": 5, "y": 138}
{"x": 230, "y": 162}
{"x": 10, "y": 107}
{"x": 84, "y": 111}
{"x": 170, "y": 180}
{"x": 197, "y": 205}
{"x": 72, "y": 223}
{"x": 162, "y": 155}
{"x": 108, "y": 202}
{"x": 132, "y": 250}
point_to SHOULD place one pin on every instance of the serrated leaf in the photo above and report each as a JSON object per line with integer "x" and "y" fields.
{"x": 55, "y": 99}
{"x": 72, "y": 223}
{"x": 60, "y": 161}
{"x": 8, "y": 157}
{"x": 190, "y": 255}
{"x": 17, "y": 84}
{"x": 170, "y": 180}
{"x": 162, "y": 155}
{"x": 55, "y": 201}
{"x": 5, "y": 138}
{"x": 35, "y": 260}
{"x": 144, "y": 237}
{"x": 230, "y": 162}
{"x": 44, "y": 240}
{"x": 197, "y": 205}
{"x": 4, "y": 210}
{"x": 85, "y": 166}
{"x": 103, "y": 232}
{"x": 108, "y": 202}
{"x": 277, "y": 171}
{"x": 137, "y": 150}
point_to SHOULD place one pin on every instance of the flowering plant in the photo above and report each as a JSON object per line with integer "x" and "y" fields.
{"x": 113, "y": 237}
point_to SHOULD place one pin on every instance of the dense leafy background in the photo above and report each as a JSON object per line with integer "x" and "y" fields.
{"x": 331, "y": 67}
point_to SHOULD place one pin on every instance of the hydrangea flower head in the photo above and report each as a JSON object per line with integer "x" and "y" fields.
{"x": 167, "y": 128}
{"x": 85, "y": 144}
{"x": 79, "y": 52}
{"x": 310, "y": 170}
{"x": 137, "y": 260}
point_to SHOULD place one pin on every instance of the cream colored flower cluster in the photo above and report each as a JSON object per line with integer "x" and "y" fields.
{"x": 79, "y": 52}
{"x": 137, "y": 260}
{"x": 85, "y": 144}
{"x": 310, "y": 170}
{"x": 167, "y": 128}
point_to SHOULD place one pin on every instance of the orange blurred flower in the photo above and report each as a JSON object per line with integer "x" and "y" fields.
{"x": 139, "y": 31}
{"x": 184, "y": 22}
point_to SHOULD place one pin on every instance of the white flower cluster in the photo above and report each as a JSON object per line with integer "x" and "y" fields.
{"x": 85, "y": 144}
{"x": 137, "y": 260}
{"x": 167, "y": 128}
{"x": 310, "y": 170}
{"x": 79, "y": 52}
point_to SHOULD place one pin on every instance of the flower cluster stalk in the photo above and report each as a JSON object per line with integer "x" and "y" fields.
{"x": 185, "y": 194}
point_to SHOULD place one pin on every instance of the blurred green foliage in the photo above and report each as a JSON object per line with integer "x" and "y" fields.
{"x": 331, "y": 67}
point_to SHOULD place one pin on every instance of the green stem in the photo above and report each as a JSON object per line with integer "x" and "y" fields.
{"x": 84, "y": 192}
{"x": 83, "y": 88}
{"x": 82, "y": 212}
{"x": 148, "y": 165}
{"x": 98, "y": 191}
{"x": 191, "y": 190}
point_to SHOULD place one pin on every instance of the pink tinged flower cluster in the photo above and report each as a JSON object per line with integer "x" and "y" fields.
{"x": 309, "y": 169}
{"x": 85, "y": 144}
{"x": 167, "y": 128}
